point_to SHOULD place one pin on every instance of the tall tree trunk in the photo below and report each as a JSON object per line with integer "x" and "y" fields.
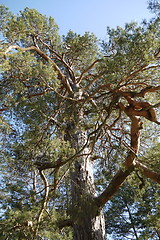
{"x": 88, "y": 219}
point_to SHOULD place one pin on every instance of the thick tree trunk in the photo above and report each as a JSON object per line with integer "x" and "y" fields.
{"x": 88, "y": 220}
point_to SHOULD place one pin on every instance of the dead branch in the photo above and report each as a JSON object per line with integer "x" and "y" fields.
{"x": 60, "y": 58}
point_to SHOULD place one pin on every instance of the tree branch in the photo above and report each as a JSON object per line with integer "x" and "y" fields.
{"x": 87, "y": 69}
{"x": 48, "y": 59}
{"x": 142, "y": 68}
{"x": 44, "y": 201}
{"x": 133, "y": 73}
{"x": 121, "y": 175}
{"x": 65, "y": 223}
{"x": 131, "y": 220}
{"x": 113, "y": 186}
{"x": 148, "y": 172}
{"x": 138, "y": 94}
{"x": 136, "y": 126}
{"x": 59, "y": 58}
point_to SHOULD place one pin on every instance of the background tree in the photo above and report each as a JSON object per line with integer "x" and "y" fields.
{"x": 72, "y": 113}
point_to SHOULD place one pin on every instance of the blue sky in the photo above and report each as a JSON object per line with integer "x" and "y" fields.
{"x": 86, "y": 15}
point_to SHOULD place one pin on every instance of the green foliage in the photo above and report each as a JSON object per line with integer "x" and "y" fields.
{"x": 80, "y": 51}
{"x": 131, "y": 215}
{"x": 27, "y": 24}
{"x": 5, "y": 16}
{"x": 134, "y": 211}
{"x": 133, "y": 44}
{"x": 154, "y": 6}
{"x": 47, "y": 111}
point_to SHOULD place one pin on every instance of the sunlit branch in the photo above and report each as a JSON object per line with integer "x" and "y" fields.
{"x": 59, "y": 58}
{"x": 138, "y": 94}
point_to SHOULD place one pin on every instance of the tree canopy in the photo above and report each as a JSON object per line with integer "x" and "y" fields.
{"x": 80, "y": 130}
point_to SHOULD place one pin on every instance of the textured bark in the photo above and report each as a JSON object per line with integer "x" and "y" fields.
{"x": 88, "y": 221}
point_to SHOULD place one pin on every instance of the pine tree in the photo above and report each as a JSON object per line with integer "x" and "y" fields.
{"x": 72, "y": 114}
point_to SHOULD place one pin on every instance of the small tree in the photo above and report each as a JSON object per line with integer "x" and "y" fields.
{"x": 72, "y": 115}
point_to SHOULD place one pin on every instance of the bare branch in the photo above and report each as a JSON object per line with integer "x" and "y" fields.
{"x": 130, "y": 162}
{"x": 136, "y": 126}
{"x": 59, "y": 94}
{"x": 121, "y": 175}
